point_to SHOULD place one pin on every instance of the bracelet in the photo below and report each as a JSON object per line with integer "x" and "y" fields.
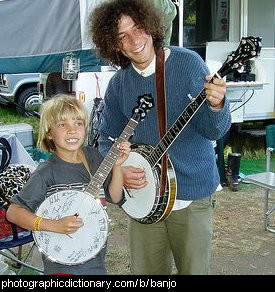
{"x": 37, "y": 223}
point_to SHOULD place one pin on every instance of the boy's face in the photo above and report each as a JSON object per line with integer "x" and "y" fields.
{"x": 135, "y": 43}
{"x": 68, "y": 136}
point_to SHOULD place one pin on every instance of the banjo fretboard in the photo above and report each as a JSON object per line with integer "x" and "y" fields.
{"x": 108, "y": 162}
{"x": 145, "y": 103}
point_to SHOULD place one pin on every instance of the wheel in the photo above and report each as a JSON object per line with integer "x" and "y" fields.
{"x": 28, "y": 101}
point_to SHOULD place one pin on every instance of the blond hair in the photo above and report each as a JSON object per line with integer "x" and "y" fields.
{"x": 54, "y": 110}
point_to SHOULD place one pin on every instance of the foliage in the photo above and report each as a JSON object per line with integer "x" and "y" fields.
{"x": 250, "y": 146}
{"x": 190, "y": 13}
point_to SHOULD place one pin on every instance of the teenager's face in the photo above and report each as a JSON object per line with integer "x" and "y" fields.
{"x": 68, "y": 136}
{"x": 135, "y": 43}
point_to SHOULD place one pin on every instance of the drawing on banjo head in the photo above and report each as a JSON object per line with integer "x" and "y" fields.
{"x": 87, "y": 241}
{"x": 147, "y": 205}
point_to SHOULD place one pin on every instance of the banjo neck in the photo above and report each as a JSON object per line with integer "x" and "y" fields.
{"x": 248, "y": 48}
{"x": 109, "y": 160}
{"x": 177, "y": 127}
{"x": 145, "y": 103}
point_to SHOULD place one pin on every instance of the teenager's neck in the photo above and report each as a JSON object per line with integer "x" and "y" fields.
{"x": 150, "y": 69}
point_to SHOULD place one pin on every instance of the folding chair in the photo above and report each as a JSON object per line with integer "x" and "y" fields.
{"x": 13, "y": 250}
{"x": 12, "y": 246}
{"x": 266, "y": 179}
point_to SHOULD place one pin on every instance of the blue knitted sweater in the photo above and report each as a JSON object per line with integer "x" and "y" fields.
{"x": 192, "y": 152}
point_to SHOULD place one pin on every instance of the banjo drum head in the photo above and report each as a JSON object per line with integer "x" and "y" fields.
{"x": 140, "y": 202}
{"x": 86, "y": 242}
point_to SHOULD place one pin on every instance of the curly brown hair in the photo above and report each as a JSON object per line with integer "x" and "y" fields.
{"x": 104, "y": 22}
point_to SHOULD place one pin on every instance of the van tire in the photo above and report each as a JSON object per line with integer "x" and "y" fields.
{"x": 28, "y": 99}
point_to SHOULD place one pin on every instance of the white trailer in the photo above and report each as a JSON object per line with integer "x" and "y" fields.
{"x": 249, "y": 100}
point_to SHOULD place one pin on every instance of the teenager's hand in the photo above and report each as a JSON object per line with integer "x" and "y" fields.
{"x": 134, "y": 178}
{"x": 215, "y": 92}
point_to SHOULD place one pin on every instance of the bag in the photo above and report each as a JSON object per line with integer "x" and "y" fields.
{"x": 95, "y": 121}
{"x": 5, "y": 149}
{"x": 12, "y": 180}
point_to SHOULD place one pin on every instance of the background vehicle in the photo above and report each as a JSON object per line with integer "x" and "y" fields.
{"x": 21, "y": 90}
{"x": 210, "y": 27}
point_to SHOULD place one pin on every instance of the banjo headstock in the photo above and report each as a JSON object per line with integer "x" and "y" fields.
{"x": 145, "y": 103}
{"x": 248, "y": 48}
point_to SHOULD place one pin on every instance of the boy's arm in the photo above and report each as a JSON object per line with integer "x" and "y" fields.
{"x": 28, "y": 220}
{"x": 116, "y": 184}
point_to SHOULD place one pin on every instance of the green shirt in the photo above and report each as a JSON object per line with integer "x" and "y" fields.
{"x": 169, "y": 11}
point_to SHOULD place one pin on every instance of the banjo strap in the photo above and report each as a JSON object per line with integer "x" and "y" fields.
{"x": 161, "y": 109}
{"x": 84, "y": 161}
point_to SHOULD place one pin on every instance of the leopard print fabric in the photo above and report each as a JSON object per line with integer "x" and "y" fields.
{"x": 12, "y": 180}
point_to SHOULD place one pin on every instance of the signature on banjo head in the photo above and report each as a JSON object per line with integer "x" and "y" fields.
{"x": 68, "y": 202}
{"x": 63, "y": 203}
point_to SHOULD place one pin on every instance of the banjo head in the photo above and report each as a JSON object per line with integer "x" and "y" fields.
{"x": 141, "y": 202}
{"x": 87, "y": 241}
{"x": 147, "y": 205}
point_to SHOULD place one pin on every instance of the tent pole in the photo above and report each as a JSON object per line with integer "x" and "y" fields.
{"x": 180, "y": 4}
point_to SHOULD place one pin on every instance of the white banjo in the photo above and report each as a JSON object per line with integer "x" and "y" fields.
{"x": 87, "y": 241}
{"x": 147, "y": 205}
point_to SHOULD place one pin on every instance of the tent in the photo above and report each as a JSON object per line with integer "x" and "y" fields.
{"x": 35, "y": 35}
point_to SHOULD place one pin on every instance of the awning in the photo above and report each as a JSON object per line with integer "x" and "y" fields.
{"x": 36, "y": 34}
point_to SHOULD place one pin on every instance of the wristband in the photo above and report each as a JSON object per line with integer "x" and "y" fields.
{"x": 37, "y": 223}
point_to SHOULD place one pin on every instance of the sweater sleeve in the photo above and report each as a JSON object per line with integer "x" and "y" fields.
{"x": 210, "y": 124}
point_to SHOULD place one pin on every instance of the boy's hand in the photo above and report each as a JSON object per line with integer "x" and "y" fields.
{"x": 125, "y": 148}
{"x": 68, "y": 224}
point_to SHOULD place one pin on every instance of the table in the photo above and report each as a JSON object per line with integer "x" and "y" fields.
{"x": 266, "y": 180}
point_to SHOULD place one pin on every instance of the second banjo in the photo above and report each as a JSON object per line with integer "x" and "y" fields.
{"x": 147, "y": 205}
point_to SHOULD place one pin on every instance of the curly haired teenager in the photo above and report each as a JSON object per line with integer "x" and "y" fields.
{"x": 128, "y": 33}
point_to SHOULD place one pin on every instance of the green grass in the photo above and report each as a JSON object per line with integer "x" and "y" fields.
{"x": 252, "y": 166}
{"x": 256, "y": 165}
{"x": 25, "y": 271}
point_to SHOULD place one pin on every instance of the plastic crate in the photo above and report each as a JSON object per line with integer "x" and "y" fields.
{"x": 270, "y": 136}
